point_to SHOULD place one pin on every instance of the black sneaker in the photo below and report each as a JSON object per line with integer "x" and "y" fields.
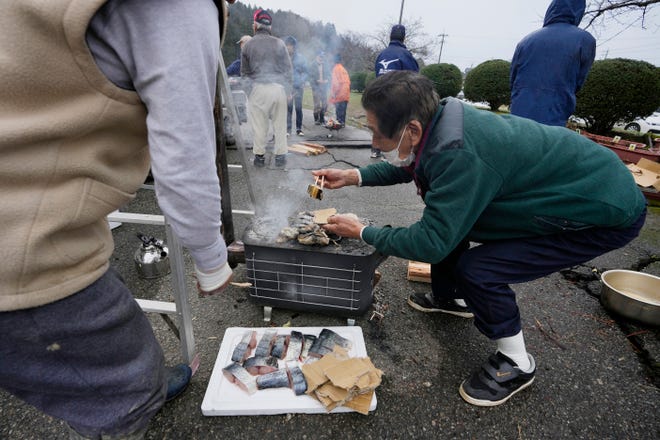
{"x": 424, "y": 302}
{"x": 496, "y": 381}
{"x": 280, "y": 160}
{"x": 178, "y": 378}
{"x": 259, "y": 160}
{"x": 300, "y": 133}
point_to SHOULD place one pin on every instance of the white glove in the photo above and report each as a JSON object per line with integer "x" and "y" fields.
{"x": 215, "y": 281}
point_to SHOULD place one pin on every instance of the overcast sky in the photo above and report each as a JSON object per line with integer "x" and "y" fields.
{"x": 477, "y": 30}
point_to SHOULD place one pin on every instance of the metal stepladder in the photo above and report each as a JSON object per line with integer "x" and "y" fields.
{"x": 180, "y": 307}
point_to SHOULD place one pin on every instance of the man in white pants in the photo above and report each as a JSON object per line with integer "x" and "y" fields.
{"x": 265, "y": 61}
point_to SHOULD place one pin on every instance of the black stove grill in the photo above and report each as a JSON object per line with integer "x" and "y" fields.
{"x": 337, "y": 279}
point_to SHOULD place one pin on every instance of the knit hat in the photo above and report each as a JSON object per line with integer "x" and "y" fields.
{"x": 398, "y": 32}
{"x": 262, "y": 16}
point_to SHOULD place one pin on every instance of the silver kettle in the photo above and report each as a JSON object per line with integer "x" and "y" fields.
{"x": 152, "y": 257}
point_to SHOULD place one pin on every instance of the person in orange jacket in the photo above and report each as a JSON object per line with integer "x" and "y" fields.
{"x": 340, "y": 90}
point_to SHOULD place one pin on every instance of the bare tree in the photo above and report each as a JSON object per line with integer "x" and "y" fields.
{"x": 621, "y": 11}
{"x": 357, "y": 54}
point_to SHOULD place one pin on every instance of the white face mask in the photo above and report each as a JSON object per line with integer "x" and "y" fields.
{"x": 393, "y": 156}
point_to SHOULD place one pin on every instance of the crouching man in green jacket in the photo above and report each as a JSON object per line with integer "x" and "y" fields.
{"x": 536, "y": 198}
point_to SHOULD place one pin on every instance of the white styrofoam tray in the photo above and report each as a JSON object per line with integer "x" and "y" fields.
{"x": 224, "y": 398}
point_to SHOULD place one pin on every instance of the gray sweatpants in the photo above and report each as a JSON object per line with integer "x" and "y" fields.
{"x": 90, "y": 359}
{"x": 268, "y": 102}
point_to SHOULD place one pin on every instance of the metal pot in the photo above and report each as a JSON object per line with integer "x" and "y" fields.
{"x": 635, "y": 295}
{"x": 152, "y": 257}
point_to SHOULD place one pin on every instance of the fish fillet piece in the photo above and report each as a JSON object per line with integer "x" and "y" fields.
{"x": 275, "y": 379}
{"x": 265, "y": 344}
{"x": 237, "y": 374}
{"x": 242, "y": 350}
{"x": 296, "y": 341}
{"x": 307, "y": 344}
{"x": 257, "y": 365}
{"x": 297, "y": 380}
{"x": 326, "y": 342}
{"x": 280, "y": 346}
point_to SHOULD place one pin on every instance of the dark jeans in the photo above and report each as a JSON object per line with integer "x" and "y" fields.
{"x": 90, "y": 359}
{"x": 481, "y": 275}
{"x": 340, "y": 109}
{"x": 297, "y": 101}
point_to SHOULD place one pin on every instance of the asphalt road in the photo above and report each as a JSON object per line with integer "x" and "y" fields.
{"x": 597, "y": 376}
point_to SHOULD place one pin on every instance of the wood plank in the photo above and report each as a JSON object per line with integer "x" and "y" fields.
{"x": 299, "y": 149}
{"x": 418, "y": 271}
{"x": 317, "y": 147}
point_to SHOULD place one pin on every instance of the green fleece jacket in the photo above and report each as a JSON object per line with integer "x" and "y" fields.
{"x": 488, "y": 177}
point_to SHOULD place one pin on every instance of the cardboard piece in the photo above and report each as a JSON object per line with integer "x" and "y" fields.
{"x": 346, "y": 374}
{"x": 321, "y": 215}
{"x": 315, "y": 372}
{"x": 646, "y": 173}
{"x": 342, "y": 382}
{"x": 360, "y": 403}
{"x": 332, "y": 396}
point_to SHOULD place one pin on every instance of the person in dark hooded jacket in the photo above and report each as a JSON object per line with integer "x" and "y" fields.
{"x": 551, "y": 64}
{"x": 395, "y": 56}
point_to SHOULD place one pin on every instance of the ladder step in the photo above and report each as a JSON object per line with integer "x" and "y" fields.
{"x": 152, "y": 306}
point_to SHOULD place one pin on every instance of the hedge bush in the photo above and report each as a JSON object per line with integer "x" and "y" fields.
{"x": 358, "y": 81}
{"x": 616, "y": 90}
{"x": 447, "y": 78}
{"x": 370, "y": 77}
{"x": 489, "y": 82}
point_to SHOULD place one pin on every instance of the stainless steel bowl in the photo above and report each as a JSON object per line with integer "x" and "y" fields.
{"x": 635, "y": 295}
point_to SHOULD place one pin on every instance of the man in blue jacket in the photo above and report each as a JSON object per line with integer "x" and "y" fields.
{"x": 550, "y": 65}
{"x": 395, "y": 56}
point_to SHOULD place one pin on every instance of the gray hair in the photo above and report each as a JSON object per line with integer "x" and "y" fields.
{"x": 398, "y": 97}
{"x": 266, "y": 27}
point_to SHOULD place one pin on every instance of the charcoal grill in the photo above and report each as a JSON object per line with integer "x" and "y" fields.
{"x": 335, "y": 279}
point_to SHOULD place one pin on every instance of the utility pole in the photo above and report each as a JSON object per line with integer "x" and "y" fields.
{"x": 442, "y": 43}
{"x": 401, "y": 13}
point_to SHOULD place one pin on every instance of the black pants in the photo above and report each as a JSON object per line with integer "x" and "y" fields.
{"x": 481, "y": 275}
